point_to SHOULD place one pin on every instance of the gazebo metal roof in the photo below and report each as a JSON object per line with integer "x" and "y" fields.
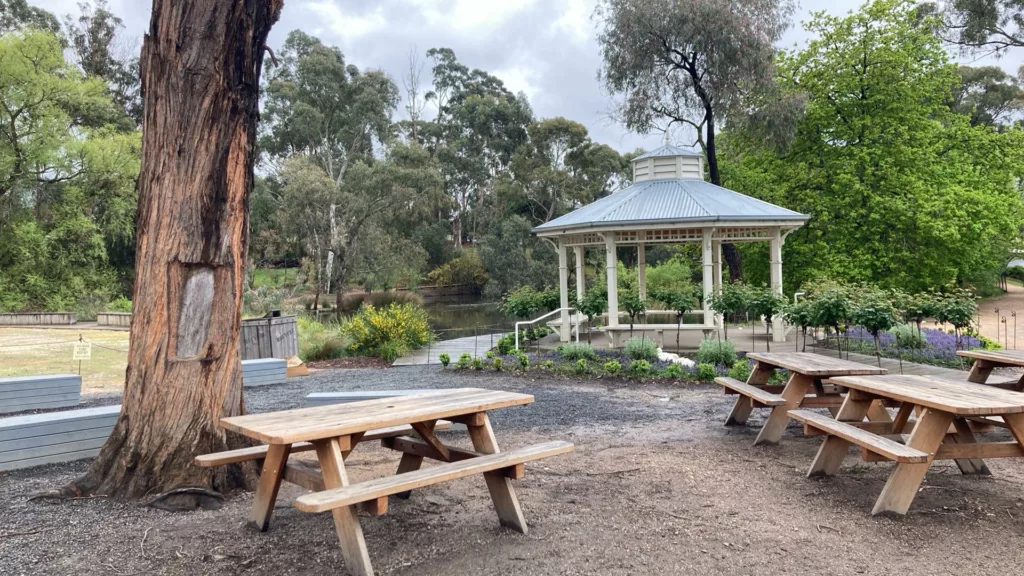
{"x": 661, "y": 202}
{"x": 668, "y": 150}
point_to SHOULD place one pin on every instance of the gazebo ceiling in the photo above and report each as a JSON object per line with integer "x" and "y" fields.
{"x": 660, "y": 204}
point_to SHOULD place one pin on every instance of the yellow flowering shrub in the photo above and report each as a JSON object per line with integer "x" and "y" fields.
{"x": 373, "y": 327}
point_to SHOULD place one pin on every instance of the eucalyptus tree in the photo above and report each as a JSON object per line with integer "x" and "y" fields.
{"x": 983, "y": 25}
{"x": 478, "y": 127}
{"x": 201, "y": 63}
{"x": 692, "y": 62}
{"x": 18, "y": 14}
{"x": 989, "y": 95}
{"x": 101, "y": 49}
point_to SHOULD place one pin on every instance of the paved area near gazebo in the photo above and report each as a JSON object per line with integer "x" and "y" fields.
{"x": 475, "y": 346}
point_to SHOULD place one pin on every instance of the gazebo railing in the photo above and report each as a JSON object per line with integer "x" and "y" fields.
{"x": 549, "y": 314}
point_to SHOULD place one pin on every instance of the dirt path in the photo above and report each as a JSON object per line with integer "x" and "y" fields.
{"x": 657, "y": 486}
{"x": 1012, "y": 301}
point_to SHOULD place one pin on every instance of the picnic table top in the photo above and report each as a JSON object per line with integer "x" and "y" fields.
{"x": 961, "y": 398}
{"x": 814, "y": 364}
{"x": 332, "y": 421}
{"x": 1006, "y": 357}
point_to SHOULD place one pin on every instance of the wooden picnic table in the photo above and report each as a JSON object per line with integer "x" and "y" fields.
{"x": 333, "y": 431}
{"x": 806, "y": 375}
{"x": 940, "y": 403}
{"x": 985, "y": 361}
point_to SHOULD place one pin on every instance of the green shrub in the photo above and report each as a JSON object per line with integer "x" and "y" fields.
{"x": 445, "y": 359}
{"x": 478, "y": 364}
{"x": 465, "y": 361}
{"x": 574, "y": 351}
{"x": 490, "y": 354}
{"x": 524, "y": 361}
{"x": 497, "y": 364}
{"x": 120, "y": 304}
{"x": 319, "y": 341}
{"x": 612, "y": 367}
{"x": 391, "y": 351}
{"x": 907, "y": 336}
{"x": 640, "y": 367}
{"x": 506, "y": 345}
{"x": 548, "y": 364}
{"x": 988, "y": 344}
{"x": 716, "y": 352}
{"x": 466, "y": 269}
{"x": 741, "y": 370}
{"x": 1015, "y": 272}
{"x": 581, "y": 366}
{"x": 706, "y": 372}
{"x": 403, "y": 323}
{"x": 642, "y": 349}
{"x": 674, "y": 371}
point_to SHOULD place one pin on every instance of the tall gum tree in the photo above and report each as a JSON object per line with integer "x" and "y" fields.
{"x": 692, "y": 63}
{"x": 200, "y": 68}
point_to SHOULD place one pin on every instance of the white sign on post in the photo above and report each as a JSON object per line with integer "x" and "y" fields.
{"x": 82, "y": 351}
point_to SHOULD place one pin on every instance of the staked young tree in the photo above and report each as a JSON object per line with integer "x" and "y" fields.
{"x": 692, "y": 63}
{"x": 201, "y": 63}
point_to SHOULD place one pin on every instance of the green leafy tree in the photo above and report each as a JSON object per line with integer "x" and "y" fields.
{"x": 634, "y": 306}
{"x": 768, "y": 303}
{"x": 874, "y": 310}
{"x": 902, "y": 191}
{"x": 731, "y": 299}
{"x": 593, "y": 304}
{"x": 800, "y": 314}
{"x": 830, "y": 306}
{"x": 680, "y": 302}
{"x": 690, "y": 63}
{"x": 958, "y": 307}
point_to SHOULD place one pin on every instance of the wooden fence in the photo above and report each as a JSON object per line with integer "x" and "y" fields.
{"x": 114, "y": 319}
{"x": 38, "y": 319}
{"x": 270, "y": 338}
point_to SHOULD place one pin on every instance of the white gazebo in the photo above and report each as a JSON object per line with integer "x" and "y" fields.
{"x": 668, "y": 203}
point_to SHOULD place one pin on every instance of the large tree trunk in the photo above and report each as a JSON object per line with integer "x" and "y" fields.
{"x": 733, "y": 258}
{"x": 200, "y": 68}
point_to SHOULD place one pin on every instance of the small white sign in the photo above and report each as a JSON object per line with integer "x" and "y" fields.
{"x": 82, "y": 351}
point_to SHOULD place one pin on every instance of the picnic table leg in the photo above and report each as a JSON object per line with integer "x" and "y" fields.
{"x": 1016, "y": 424}
{"x": 964, "y": 435}
{"x": 834, "y": 449}
{"x": 506, "y": 504}
{"x": 793, "y": 394}
{"x": 743, "y": 406}
{"x": 980, "y": 372}
{"x": 346, "y": 521}
{"x": 270, "y": 483}
{"x": 902, "y": 486}
{"x": 411, "y": 463}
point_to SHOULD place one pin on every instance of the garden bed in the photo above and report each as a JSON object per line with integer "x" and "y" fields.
{"x": 933, "y": 347}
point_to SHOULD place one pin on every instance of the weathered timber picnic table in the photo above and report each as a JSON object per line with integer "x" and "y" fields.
{"x": 806, "y": 374}
{"x": 985, "y": 361}
{"x": 405, "y": 424}
{"x": 941, "y": 403}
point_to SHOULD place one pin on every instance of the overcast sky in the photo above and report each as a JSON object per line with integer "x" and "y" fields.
{"x": 545, "y": 48}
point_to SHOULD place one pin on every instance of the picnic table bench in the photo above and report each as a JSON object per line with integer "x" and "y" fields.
{"x": 985, "y": 361}
{"x": 807, "y": 374}
{"x": 941, "y": 403}
{"x": 407, "y": 425}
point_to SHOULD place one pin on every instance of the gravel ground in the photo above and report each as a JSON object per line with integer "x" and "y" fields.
{"x": 656, "y": 485}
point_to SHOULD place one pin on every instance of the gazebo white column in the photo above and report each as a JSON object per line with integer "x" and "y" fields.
{"x": 716, "y": 259}
{"x": 581, "y": 279}
{"x": 641, "y": 262}
{"x": 563, "y": 290}
{"x": 709, "y": 275}
{"x": 613, "y": 281}
{"x": 778, "y": 327}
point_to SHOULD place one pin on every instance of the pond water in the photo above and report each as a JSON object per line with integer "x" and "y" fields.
{"x": 468, "y": 318}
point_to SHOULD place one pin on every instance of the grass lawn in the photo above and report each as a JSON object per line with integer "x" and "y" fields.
{"x": 36, "y": 352}
{"x": 274, "y": 277}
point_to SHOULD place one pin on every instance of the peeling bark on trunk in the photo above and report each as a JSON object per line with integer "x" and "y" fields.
{"x": 200, "y": 68}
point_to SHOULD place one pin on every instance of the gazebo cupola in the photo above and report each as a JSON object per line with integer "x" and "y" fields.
{"x": 669, "y": 202}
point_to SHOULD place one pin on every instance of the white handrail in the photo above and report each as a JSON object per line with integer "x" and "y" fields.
{"x": 552, "y": 313}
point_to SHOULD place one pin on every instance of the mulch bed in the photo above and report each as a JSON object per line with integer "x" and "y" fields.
{"x": 349, "y": 362}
